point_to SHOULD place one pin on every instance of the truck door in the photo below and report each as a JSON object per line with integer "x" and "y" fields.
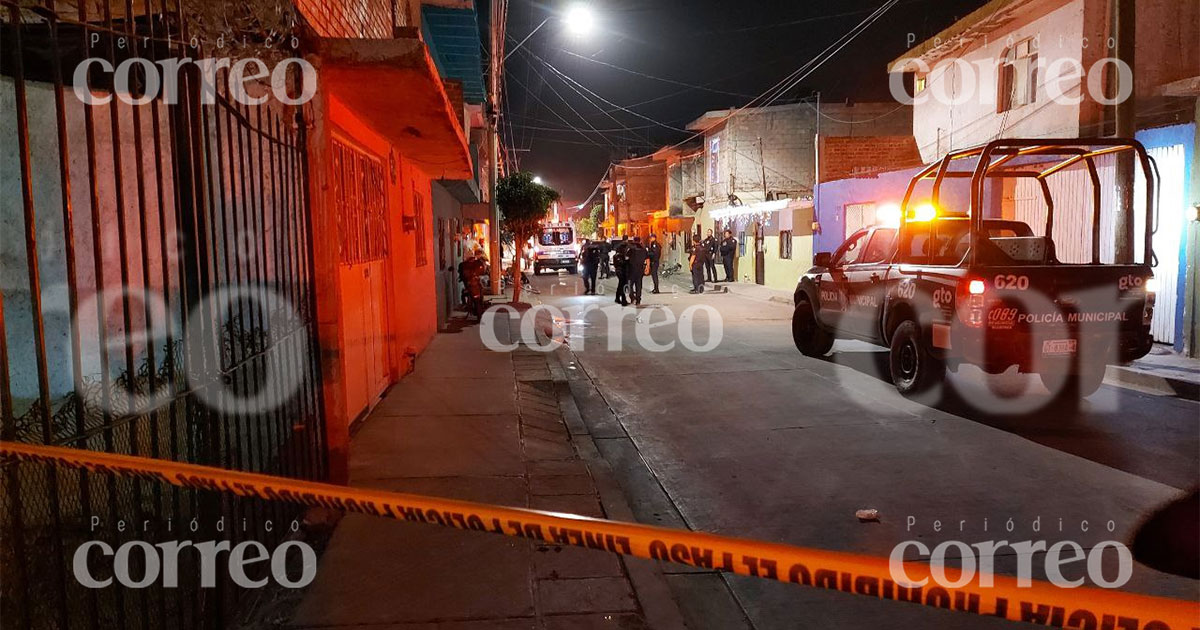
{"x": 865, "y": 282}
{"x": 835, "y": 285}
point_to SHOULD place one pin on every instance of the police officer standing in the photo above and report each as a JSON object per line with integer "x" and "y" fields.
{"x": 591, "y": 264}
{"x": 618, "y": 263}
{"x": 710, "y": 264}
{"x": 729, "y": 246}
{"x": 605, "y": 247}
{"x": 698, "y": 260}
{"x": 635, "y": 268}
{"x": 654, "y": 251}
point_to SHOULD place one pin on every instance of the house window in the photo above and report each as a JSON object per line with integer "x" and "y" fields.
{"x": 1018, "y": 76}
{"x": 419, "y": 218}
{"x": 785, "y": 245}
{"x": 741, "y": 243}
{"x": 859, "y": 216}
{"x": 360, "y": 202}
{"x": 919, "y": 84}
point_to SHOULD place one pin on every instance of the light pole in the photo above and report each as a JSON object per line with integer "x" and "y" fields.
{"x": 578, "y": 20}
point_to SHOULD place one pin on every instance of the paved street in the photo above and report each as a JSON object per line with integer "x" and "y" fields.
{"x": 752, "y": 439}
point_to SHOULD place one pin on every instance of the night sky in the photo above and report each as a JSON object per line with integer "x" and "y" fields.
{"x": 736, "y": 49}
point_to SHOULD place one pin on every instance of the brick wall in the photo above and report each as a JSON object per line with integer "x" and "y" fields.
{"x": 686, "y": 179}
{"x": 645, "y": 192}
{"x": 786, "y": 134}
{"x": 843, "y": 157}
{"x": 370, "y": 19}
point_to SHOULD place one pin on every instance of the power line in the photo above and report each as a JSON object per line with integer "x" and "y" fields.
{"x": 656, "y": 78}
{"x": 793, "y": 79}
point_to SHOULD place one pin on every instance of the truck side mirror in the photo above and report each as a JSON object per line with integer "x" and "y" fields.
{"x": 822, "y": 259}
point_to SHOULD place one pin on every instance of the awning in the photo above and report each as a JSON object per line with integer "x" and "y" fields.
{"x": 476, "y": 211}
{"x": 453, "y": 38}
{"x": 393, "y": 87}
{"x": 762, "y": 207}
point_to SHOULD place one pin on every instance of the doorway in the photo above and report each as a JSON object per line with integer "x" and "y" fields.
{"x": 760, "y": 254}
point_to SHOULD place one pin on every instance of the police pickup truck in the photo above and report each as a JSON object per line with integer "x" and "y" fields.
{"x": 991, "y": 279}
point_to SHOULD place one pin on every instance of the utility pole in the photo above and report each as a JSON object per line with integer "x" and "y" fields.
{"x": 496, "y": 63}
{"x": 1125, "y": 32}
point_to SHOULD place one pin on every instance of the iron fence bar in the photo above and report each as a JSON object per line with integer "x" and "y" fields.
{"x": 17, "y": 528}
{"x": 35, "y": 296}
{"x": 322, "y": 454}
{"x": 296, "y": 222}
{"x": 89, "y": 121}
{"x": 171, "y": 450}
{"x": 284, "y": 284}
{"x": 123, "y": 251}
{"x": 255, "y": 373}
{"x": 69, "y": 254}
{"x": 272, "y": 369}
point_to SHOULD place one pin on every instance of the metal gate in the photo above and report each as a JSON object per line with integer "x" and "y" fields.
{"x": 156, "y": 299}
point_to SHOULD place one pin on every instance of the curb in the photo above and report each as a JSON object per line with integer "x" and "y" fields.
{"x": 648, "y": 582}
{"x": 1138, "y": 379}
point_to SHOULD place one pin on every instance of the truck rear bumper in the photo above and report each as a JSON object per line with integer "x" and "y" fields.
{"x": 995, "y": 353}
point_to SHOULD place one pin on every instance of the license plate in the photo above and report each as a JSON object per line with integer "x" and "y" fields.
{"x": 1060, "y": 346}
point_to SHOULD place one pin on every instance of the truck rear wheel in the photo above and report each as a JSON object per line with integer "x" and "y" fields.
{"x": 914, "y": 369}
{"x": 810, "y": 339}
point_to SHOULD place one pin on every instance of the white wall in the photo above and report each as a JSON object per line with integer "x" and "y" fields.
{"x": 940, "y": 127}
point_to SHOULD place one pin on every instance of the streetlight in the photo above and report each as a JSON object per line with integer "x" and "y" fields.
{"x": 537, "y": 180}
{"x": 578, "y": 20}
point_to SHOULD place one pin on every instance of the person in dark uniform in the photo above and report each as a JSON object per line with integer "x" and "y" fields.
{"x": 590, "y": 258}
{"x": 636, "y": 258}
{"x": 697, "y": 261}
{"x": 710, "y": 264}
{"x": 729, "y": 246}
{"x": 618, "y": 265}
{"x": 605, "y": 248}
{"x": 654, "y": 251}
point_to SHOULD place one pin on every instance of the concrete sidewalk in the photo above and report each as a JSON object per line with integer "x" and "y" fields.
{"x": 1163, "y": 371}
{"x": 478, "y": 425}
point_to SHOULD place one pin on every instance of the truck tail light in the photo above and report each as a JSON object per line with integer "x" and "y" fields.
{"x": 971, "y": 302}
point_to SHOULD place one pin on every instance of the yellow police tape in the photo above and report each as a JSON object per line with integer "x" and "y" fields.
{"x": 1041, "y": 603}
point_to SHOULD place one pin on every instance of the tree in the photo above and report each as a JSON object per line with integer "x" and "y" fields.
{"x": 586, "y": 227}
{"x": 523, "y": 205}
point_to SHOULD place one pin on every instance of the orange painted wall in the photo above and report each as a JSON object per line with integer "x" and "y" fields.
{"x": 406, "y": 315}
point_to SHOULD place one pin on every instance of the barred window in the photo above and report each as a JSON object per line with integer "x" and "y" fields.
{"x": 785, "y": 245}
{"x": 360, "y": 201}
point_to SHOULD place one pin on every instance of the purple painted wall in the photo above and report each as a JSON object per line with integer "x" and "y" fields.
{"x": 833, "y": 197}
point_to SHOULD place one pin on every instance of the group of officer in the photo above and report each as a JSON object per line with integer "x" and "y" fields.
{"x": 702, "y": 258}
{"x": 632, "y": 261}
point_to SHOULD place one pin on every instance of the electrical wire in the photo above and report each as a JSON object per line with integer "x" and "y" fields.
{"x": 656, "y": 78}
{"x": 775, "y": 92}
